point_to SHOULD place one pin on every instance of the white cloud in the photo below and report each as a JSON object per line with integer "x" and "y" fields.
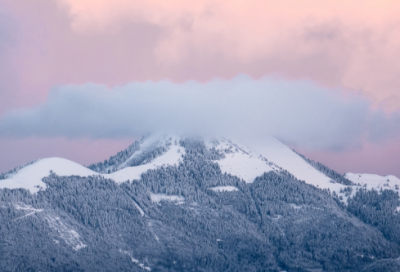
{"x": 298, "y": 112}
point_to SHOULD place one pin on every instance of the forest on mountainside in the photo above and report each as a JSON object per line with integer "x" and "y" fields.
{"x": 276, "y": 223}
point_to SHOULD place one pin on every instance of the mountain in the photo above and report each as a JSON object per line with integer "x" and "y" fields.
{"x": 172, "y": 203}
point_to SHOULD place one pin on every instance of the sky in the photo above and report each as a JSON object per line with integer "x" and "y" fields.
{"x": 83, "y": 79}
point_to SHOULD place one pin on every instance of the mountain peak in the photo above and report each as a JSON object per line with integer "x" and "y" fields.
{"x": 246, "y": 160}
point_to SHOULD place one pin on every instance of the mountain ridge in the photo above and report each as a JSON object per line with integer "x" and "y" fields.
{"x": 233, "y": 157}
{"x": 196, "y": 207}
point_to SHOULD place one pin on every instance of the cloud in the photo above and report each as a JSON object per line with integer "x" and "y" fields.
{"x": 336, "y": 43}
{"x": 298, "y": 112}
{"x": 7, "y": 29}
{"x": 7, "y": 72}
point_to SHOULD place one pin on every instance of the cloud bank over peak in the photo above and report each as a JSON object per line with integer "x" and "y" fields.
{"x": 298, "y": 112}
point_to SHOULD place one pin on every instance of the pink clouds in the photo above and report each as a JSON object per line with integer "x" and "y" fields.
{"x": 337, "y": 43}
{"x": 349, "y": 43}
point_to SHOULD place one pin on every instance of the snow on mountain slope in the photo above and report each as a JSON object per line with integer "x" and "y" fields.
{"x": 371, "y": 181}
{"x": 252, "y": 159}
{"x": 65, "y": 232}
{"x": 139, "y": 153}
{"x": 150, "y": 143}
{"x": 30, "y": 177}
{"x": 224, "y": 189}
{"x": 241, "y": 162}
{"x": 171, "y": 157}
{"x": 246, "y": 160}
{"x": 283, "y": 156}
{"x": 157, "y": 198}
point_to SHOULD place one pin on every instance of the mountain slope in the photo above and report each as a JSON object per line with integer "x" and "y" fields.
{"x": 244, "y": 160}
{"x": 139, "y": 153}
{"x": 30, "y": 177}
{"x": 371, "y": 181}
{"x": 213, "y": 205}
{"x": 253, "y": 159}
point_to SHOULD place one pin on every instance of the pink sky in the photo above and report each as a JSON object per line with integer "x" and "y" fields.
{"x": 350, "y": 44}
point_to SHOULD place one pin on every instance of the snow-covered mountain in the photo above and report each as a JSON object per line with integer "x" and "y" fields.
{"x": 30, "y": 177}
{"x": 172, "y": 203}
{"x": 245, "y": 160}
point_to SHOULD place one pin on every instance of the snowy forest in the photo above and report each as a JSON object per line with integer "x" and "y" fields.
{"x": 184, "y": 218}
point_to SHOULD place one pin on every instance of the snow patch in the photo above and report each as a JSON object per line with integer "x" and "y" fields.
{"x": 140, "y": 209}
{"x": 172, "y": 157}
{"x": 152, "y": 231}
{"x": 224, "y": 189}
{"x": 141, "y": 265}
{"x": 240, "y": 161}
{"x": 368, "y": 182}
{"x": 24, "y": 207}
{"x": 157, "y": 198}
{"x": 70, "y": 236}
{"x": 243, "y": 166}
{"x": 371, "y": 181}
{"x": 296, "y": 207}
